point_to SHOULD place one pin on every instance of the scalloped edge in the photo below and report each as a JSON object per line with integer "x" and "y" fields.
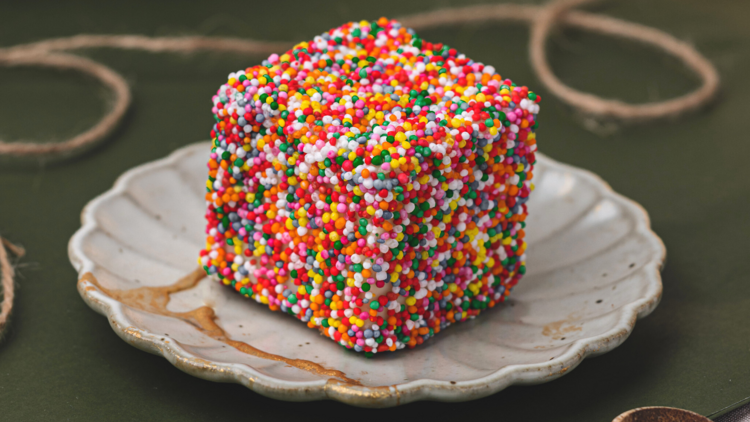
{"x": 424, "y": 389}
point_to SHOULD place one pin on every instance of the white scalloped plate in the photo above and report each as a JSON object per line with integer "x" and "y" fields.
{"x": 593, "y": 270}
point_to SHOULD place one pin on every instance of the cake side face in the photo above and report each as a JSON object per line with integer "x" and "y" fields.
{"x": 371, "y": 184}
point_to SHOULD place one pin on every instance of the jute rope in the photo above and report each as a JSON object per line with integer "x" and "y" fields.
{"x": 542, "y": 20}
{"x": 6, "y": 279}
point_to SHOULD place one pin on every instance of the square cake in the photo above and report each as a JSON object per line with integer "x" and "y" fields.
{"x": 370, "y": 184}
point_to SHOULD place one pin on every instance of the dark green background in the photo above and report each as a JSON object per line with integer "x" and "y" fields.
{"x": 61, "y": 361}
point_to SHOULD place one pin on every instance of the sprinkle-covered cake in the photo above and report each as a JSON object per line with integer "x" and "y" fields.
{"x": 370, "y": 184}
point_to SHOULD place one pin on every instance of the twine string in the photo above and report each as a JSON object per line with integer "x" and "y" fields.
{"x": 594, "y": 105}
{"x": 542, "y": 20}
{"x": 6, "y": 278}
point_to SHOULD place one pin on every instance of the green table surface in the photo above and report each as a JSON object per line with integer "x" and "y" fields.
{"x": 61, "y": 361}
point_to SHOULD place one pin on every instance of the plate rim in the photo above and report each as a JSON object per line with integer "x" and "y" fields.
{"x": 422, "y": 389}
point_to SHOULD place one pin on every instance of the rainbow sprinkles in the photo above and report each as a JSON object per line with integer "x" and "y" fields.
{"x": 371, "y": 184}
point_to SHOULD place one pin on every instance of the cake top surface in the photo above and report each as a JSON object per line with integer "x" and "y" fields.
{"x": 382, "y": 96}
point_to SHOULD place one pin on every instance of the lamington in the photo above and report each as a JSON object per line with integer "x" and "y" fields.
{"x": 371, "y": 184}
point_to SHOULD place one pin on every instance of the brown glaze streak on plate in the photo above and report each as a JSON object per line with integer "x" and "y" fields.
{"x": 371, "y": 393}
{"x": 155, "y": 299}
{"x": 557, "y": 331}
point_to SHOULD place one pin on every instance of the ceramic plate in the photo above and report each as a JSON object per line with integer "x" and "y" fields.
{"x": 593, "y": 270}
